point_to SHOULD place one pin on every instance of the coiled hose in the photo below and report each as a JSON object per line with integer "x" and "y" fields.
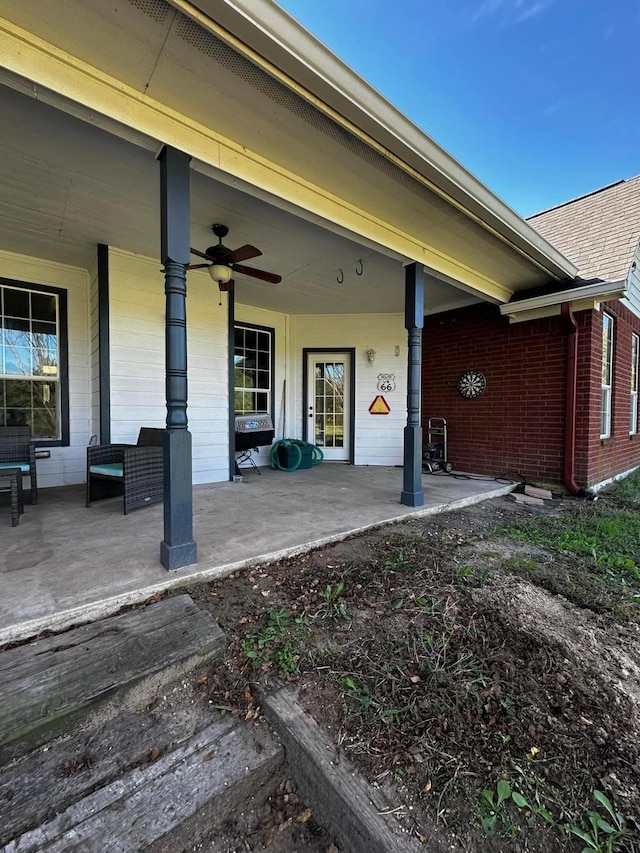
{"x": 296, "y": 445}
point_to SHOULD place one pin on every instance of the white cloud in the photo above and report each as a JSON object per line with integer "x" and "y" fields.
{"x": 510, "y": 11}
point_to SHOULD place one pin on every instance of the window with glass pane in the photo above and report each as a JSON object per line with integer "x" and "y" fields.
{"x": 29, "y": 362}
{"x": 252, "y": 357}
{"x": 607, "y": 363}
{"x": 633, "y": 413}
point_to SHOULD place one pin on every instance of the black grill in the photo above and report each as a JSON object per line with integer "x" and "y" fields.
{"x": 253, "y": 429}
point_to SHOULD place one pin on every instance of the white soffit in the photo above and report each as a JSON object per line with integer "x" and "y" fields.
{"x": 583, "y": 298}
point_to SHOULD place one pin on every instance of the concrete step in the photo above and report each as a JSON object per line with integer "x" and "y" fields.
{"x": 169, "y": 804}
{"x": 48, "y": 685}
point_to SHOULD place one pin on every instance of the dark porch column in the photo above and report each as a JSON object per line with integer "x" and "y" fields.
{"x": 412, "y": 494}
{"x": 178, "y": 548}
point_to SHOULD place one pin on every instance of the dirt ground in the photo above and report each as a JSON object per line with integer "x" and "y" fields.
{"x": 477, "y": 679}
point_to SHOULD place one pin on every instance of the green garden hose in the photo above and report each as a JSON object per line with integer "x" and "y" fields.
{"x": 296, "y": 445}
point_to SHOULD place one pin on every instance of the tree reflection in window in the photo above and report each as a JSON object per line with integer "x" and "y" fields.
{"x": 29, "y": 361}
{"x": 253, "y": 349}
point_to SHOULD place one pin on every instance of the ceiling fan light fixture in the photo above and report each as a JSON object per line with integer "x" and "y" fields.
{"x": 220, "y": 273}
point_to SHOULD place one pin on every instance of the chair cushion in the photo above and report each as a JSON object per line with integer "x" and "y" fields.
{"x": 113, "y": 469}
{"x": 23, "y": 466}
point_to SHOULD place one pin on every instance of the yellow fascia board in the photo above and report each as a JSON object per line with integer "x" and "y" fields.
{"x": 28, "y": 55}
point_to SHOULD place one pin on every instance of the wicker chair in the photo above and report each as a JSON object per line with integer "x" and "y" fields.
{"x": 18, "y": 451}
{"x": 135, "y": 471}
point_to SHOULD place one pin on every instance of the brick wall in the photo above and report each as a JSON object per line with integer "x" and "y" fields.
{"x": 601, "y": 459}
{"x": 517, "y": 426}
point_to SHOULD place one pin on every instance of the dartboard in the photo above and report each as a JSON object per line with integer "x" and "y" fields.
{"x": 472, "y": 383}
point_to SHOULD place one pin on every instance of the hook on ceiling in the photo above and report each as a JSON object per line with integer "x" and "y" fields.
{"x": 359, "y": 267}
{"x": 340, "y": 277}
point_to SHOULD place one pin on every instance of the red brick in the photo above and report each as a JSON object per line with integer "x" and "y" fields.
{"x": 517, "y": 425}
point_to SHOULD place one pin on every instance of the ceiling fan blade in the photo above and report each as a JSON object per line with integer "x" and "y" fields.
{"x": 243, "y": 253}
{"x": 198, "y": 266}
{"x": 200, "y": 254}
{"x": 263, "y": 275}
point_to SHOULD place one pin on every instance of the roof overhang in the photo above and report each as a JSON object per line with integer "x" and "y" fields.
{"x": 586, "y": 297}
{"x": 281, "y": 41}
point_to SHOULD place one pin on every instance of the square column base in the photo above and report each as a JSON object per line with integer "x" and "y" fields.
{"x": 175, "y": 557}
{"x": 412, "y": 498}
{"x": 412, "y": 493}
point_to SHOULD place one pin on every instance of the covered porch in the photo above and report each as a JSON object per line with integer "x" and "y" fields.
{"x": 365, "y": 222}
{"x": 66, "y": 564}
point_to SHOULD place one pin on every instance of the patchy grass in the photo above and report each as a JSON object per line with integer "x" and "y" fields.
{"x": 596, "y": 556}
{"x": 500, "y": 733}
{"x": 628, "y": 490}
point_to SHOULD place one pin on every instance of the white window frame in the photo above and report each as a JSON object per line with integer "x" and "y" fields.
{"x": 633, "y": 402}
{"x": 607, "y": 376}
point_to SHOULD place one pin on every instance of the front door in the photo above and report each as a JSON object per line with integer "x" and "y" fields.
{"x": 328, "y": 405}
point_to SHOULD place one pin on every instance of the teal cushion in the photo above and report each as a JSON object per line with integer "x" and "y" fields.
{"x": 113, "y": 469}
{"x": 23, "y": 466}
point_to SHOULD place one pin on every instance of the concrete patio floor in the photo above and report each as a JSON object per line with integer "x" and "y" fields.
{"x": 66, "y": 564}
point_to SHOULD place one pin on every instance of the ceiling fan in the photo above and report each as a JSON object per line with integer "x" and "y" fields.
{"x": 223, "y": 262}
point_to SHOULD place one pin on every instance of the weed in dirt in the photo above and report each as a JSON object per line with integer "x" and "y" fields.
{"x": 411, "y": 602}
{"x": 521, "y": 563}
{"x": 600, "y": 832}
{"x": 493, "y": 809}
{"x": 399, "y": 562}
{"x": 333, "y": 604}
{"x": 269, "y": 647}
{"x": 473, "y": 576}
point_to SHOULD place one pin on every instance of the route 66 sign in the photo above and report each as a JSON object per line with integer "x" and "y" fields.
{"x": 386, "y": 382}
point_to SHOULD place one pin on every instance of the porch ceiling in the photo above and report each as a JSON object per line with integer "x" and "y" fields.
{"x": 194, "y": 84}
{"x": 68, "y": 185}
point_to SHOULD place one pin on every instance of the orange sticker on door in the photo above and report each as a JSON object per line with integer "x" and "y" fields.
{"x": 379, "y": 406}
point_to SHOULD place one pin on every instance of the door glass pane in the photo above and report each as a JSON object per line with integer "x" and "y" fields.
{"x": 329, "y": 404}
{"x": 339, "y": 431}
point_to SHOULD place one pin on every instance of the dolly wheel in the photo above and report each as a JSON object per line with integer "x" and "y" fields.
{"x": 448, "y": 467}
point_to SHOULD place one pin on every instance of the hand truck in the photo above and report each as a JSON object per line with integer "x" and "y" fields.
{"x": 435, "y": 452}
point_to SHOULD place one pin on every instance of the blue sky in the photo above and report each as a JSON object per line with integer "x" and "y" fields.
{"x": 538, "y": 98}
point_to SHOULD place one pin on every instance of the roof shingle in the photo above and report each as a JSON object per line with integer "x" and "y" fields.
{"x": 599, "y": 232}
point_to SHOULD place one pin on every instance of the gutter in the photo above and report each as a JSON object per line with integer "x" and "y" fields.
{"x": 282, "y": 43}
{"x": 602, "y": 291}
{"x": 571, "y": 396}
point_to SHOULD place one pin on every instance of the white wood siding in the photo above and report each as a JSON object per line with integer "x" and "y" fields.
{"x": 136, "y": 299}
{"x": 632, "y": 300}
{"x": 138, "y": 371}
{"x": 67, "y": 464}
{"x": 378, "y": 438}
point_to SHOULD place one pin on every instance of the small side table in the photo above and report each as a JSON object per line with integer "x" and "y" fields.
{"x": 14, "y": 477}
